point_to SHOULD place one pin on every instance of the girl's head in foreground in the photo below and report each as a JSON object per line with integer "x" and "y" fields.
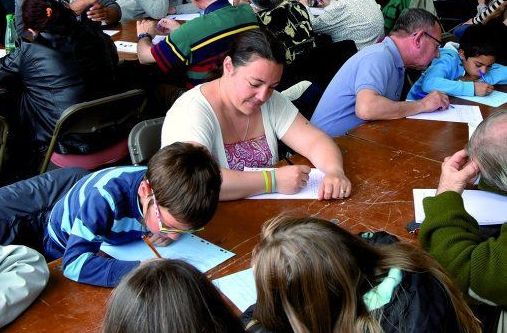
{"x": 163, "y": 296}
{"x": 311, "y": 276}
{"x": 252, "y": 70}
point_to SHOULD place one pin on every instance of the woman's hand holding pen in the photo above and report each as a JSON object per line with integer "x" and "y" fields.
{"x": 292, "y": 178}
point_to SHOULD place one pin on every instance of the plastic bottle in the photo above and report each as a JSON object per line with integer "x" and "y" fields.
{"x": 10, "y": 34}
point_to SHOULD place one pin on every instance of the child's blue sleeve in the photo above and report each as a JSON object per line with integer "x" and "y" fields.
{"x": 496, "y": 75}
{"x": 80, "y": 261}
{"x": 442, "y": 76}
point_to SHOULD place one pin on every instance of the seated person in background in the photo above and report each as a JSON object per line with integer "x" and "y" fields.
{"x": 177, "y": 193}
{"x": 67, "y": 62}
{"x": 289, "y": 22}
{"x": 156, "y": 9}
{"x": 313, "y": 276}
{"x": 368, "y": 86}
{"x": 239, "y": 118}
{"x": 474, "y": 57}
{"x": 23, "y": 275}
{"x": 162, "y": 296}
{"x": 198, "y": 46}
{"x": 452, "y": 236}
{"x": 358, "y": 20}
{"x": 107, "y": 11}
{"x": 487, "y": 11}
{"x": 393, "y": 9}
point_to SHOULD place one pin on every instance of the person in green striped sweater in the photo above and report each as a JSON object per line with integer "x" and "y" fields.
{"x": 452, "y": 236}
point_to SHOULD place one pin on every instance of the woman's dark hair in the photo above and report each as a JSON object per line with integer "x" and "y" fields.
{"x": 479, "y": 40}
{"x": 164, "y": 296}
{"x": 256, "y": 43}
{"x": 48, "y": 16}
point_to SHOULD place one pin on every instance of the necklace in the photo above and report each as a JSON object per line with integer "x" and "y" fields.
{"x": 231, "y": 122}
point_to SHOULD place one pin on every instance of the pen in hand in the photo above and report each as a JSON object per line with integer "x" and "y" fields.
{"x": 146, "y": 239}
{"x": 481, "y": 74}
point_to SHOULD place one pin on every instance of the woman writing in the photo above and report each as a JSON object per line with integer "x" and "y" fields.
{"x": 239, "y": 118}
{"x": 313, "y": 276}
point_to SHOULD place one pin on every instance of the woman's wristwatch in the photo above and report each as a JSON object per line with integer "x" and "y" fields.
{"x": 144, "y": 35}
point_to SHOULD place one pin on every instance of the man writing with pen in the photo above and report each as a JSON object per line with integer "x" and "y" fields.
{"x": 465, "y": 69}
{"x": 177, "y": 193}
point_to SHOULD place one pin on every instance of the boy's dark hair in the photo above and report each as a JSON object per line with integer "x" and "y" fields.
{"x": 186, "y": 180}
{"x": 168, "y": 296}
{"x": 478, "y": 40}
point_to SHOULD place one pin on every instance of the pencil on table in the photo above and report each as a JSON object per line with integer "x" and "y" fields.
{"x": 146, "y": 239}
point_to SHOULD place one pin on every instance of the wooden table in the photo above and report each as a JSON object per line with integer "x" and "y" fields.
{"x": 128, "y": 33}
{"x": 384, "y": 160}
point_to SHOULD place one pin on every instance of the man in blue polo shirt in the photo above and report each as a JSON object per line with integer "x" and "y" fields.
{"x": 369, "y": 84}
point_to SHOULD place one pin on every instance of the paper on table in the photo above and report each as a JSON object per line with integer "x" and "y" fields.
{"x": 470, "y": 114}
{"x": 128, "y": 47}
{"x": 190, "y": 248}
{"x": 495, "y": 99}
{"x": 486, "y": 207}
{"x": 111, "y": 32}
{"x": 183, "y": 17}
{"x": 310, "y": 191}
{"x": 471, "y": 130}
{"x": 239, "y": 288}
{"x": 3, "y": 53}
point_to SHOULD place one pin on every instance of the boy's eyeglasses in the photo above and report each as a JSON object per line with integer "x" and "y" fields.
{"x": 161, "y": 228}
{"x": 439, "y": 42}
{"x": 164, "y": 230}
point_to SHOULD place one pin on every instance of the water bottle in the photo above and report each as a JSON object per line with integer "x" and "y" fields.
{"x": 10, "y": 34}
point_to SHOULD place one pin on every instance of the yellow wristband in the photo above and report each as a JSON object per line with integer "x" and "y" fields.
{"x": 266, "y": 181}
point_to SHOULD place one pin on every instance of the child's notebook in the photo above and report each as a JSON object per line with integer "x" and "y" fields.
{"x": 190, "y": 248}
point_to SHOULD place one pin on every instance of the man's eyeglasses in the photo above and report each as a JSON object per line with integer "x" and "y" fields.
{"x": 164, "y": 230}
{"x": 439, "y": 42}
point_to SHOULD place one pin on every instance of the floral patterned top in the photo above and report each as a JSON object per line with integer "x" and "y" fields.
{"x": 252, "y": 153}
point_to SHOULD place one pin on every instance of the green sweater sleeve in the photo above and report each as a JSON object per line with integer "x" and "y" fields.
{"x": 452, "y": 237}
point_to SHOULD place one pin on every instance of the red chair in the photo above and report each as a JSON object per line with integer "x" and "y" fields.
{"x": 94, "y": 121}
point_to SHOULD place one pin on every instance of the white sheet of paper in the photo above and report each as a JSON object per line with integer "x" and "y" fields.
{"x": 111, "y": 32}
{"x": 239, "y": 288}
{"x": 310, "y": 191}
{"x": 2, "y": 53}
{"x": 470, "y": 114}
{"x": 471, "y": 130}
{"x": 486, "y": 207}
{"x": 495, "y": 99}
{"x": 184, "y": 17}
{"x": 190, "y": 248}
{"x": 128, "y": 47}
{"x": 157, "y": 39}
{"x": 316, "y": 11}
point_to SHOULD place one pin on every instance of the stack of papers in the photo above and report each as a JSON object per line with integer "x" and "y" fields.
{"x": 111, "y": 32}
{"x": 128, "y": 47}
{"x": 2, "y": 53}
{"x": 189, "y": 248}
{"x": 486, "y": 207}
{"x": 495, "y": 99}
{"x": 239, "y": 288}
{"x": 469, "y": 114}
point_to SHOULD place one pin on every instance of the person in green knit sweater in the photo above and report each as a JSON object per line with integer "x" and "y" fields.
{"x": 453, "y": 237}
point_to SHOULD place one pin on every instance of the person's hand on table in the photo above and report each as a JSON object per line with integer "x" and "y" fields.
{"x": 334, "y": 186}
{"x": 482, "y": 88}
{"x": 146, "y": 26}
{"x": 292, "y": 178}
{"x": 435, "y": 101}
{"x": 457, "y": 172}
{"x": 159, "y": 240}
{"x": 98, "y": 13}
{"x": 167, "y": 25}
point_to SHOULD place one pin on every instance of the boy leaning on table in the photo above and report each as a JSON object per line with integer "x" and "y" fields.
{"x": 477, "y": 264}
{"x": 75, "y": 213}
